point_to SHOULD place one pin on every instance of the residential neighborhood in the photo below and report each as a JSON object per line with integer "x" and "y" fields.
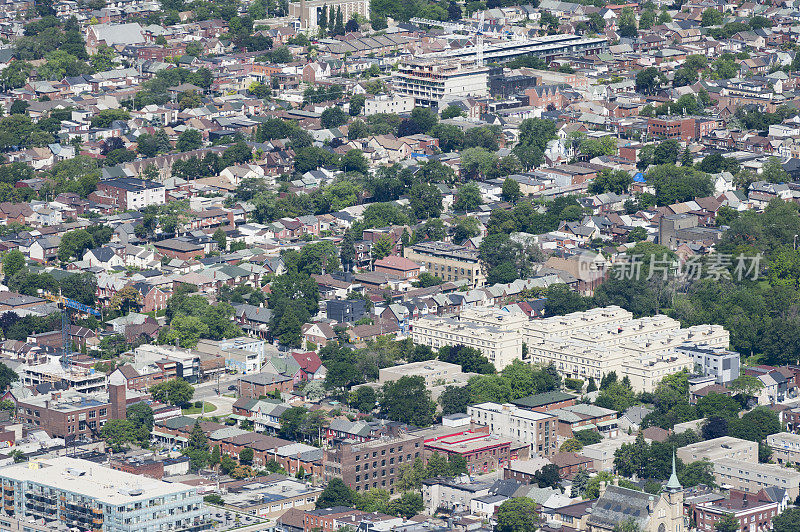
{"x": 442, "y": 265}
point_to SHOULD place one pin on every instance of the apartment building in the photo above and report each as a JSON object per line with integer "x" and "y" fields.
{"x": 52, "y": 371}
{"x": 243, "y": 354}
{"x": 482, "y": 452}
{"x": 429, "y": 81}
{"x": 388, "y": 103}
{"x": 536, "y": 429}
{"x": 88, "y": 496}
{"x": 131, "y": 193}
{"x": 592, "y": 343}
{"x": 752, "y": 511}
{"x": 719, "y": 363}
{"x": 309, "y": 11}
{"x": 719, "y": 448}
{"x": 70, "y": 414}
{"x": 785, "y": 447}
{"x": 575, "y": 418}
{"x": 372, "y": 464}
{"x": 449, "y": 262}
{"x": 451, "y": 495}
{"x": 753, "y": 477}
{"x": 500, "y": 347}
{"x": 496, "y": 334}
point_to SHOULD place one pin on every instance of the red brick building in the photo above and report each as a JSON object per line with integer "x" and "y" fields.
{"x": 179, "y": 248}
{"x": 753, "y": 511}
{"x": 71, "y": 414}
{"x": 259, "y": 384}
{"x": 398, "y": 266}
{"x": 373, "y": 464}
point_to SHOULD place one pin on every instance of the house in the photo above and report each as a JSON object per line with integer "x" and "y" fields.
{"x": 311, "y": 365}
{"x": 317, "y": 334}
{"x": 103, "y": 257}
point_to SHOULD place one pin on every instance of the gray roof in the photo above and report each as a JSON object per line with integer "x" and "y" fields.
{"x": 621, "y": 504}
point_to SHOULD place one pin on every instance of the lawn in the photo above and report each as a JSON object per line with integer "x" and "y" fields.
{"x": 194, "y": 410}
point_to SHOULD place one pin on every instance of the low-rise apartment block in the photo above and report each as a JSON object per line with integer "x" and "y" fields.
{"x": 719, "y": 448}
{"x": 88, "y": 496}
{"x": 719, "y": 363}
{"x": 596, "y": 342}
{"x": 751, "y": 478}
{"x": 430, "y": 81}
{"x": 70, "y": 414}
{"x": 451, "y": 495}
{"x": 482, "y": 452}
{"x": 435, "y": 372}
{"x": 372, "y": 464}
{"x": 449, "y": 262}
{"x": 496, "y": 334}
{"x": 388, "y": 103}
{"x": 785, "y": 447}
{"x": 536, "y": 429}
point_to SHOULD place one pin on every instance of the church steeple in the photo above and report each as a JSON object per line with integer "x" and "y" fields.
{"x": 673, "y": 485}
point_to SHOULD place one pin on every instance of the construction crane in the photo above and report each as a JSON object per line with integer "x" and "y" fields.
{"x": 457, "y": 26}
{"x": 66, "y": 304}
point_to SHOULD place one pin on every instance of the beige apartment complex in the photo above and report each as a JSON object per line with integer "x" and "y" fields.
{"x": 599, "y": 341}
{"x": 580, "y": 345}
{"x": 309, "y": 11}
{"x": 752, "y": 478}
{"x": 494, "y": 333}
{"x": 785, "y": 447}
{"x": 537, "y": 429}
{"x": 448, "y": 262}
{"x": 719, "y": 448}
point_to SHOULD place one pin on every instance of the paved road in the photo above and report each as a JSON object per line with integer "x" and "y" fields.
{"x": 209, "y": 389}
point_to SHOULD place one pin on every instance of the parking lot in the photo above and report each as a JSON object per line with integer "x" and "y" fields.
{"x": 229, "y": 520}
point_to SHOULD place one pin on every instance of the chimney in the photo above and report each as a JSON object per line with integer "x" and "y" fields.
{"x": 117, "y": 399}
{"x": 602, "y": 488}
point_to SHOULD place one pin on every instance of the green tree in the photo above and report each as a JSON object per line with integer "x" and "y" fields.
{"x": 468, "y": 198}
{"x": 728, "y": 523}
{"x": 649, "y": 80}
{"x": 221, "y": 239}
{"x": 246, "y": 455}
{"x": 13, "y": 262}
{"x": 189, "y": 140}
{"x": 548, "y": 476}
{"x": 407, "y": 400}
{"x": 517, "y": 514}
{"x": 364, "y": 399}
{"x": 336, "y": 493}
{"x": 174, "y": 392}
{"x": 711, "y": 17}
{"x": 788, "y": 521}
{"x": 408, "y": 505}
{"x": 511, "y": 191}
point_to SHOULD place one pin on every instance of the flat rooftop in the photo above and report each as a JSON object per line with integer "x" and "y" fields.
{"x": 91, "y": 480}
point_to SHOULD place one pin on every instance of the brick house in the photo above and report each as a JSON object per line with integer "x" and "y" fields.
{"x": 179, "y": 248}
{"x": 258, "y": 384}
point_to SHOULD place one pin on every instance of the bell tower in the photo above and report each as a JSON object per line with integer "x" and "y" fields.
{"x": 671, "y": 498}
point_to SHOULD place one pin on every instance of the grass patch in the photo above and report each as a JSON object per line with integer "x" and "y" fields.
{"x": 194, "y": 410}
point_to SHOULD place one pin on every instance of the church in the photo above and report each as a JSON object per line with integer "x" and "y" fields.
{"x": 651, "y": 513}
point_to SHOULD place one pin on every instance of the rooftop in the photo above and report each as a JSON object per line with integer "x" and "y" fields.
{"x": 92, "y": 480}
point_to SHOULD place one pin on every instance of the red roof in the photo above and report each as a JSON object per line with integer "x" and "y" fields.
{"x": 309, "y": 362}
{"x": 395, "y": 262}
